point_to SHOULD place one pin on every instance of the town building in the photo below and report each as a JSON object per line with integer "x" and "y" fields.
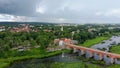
{"x": 2, "y": 28}
{"x": 20, "y": 28}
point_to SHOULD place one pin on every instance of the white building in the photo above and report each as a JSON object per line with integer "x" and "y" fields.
{"x": 61, "y": 43}
{"x": 2, "y": 28}
{"x": 62, "y": 28}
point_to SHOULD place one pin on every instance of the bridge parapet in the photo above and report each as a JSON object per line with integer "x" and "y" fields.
{"x": 91, "y": 53}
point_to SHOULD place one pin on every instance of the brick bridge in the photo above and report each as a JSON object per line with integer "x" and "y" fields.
{"x": 108, "y": 58}
{"x": 96, "y": 54}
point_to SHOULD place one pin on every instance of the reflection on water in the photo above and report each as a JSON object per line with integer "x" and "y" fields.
{"x": 38, "y": 63}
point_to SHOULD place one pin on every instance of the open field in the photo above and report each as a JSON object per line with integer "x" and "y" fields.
{"x": 73, "y": 65}
{"x": 115, "y": 49}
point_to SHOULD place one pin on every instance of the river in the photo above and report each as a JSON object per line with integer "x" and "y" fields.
{"x": 106, "y": 44}
{"x": 64, "y": 57}
{"x": 46, "y": 62}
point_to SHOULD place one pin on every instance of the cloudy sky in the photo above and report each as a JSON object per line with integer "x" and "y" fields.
{"x": 60, "y": 11}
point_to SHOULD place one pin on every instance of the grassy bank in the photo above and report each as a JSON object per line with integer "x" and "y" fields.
{"x": 72, "y": 65}
{"x": 90, "y": 42}
{"x": 115, "y": 49}
{"x": 114, "y": 66}
{"x": 5, "y": 62}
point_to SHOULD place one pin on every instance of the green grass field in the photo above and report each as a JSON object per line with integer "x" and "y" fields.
{"x": 73, "y": 65}
{"x": 114, "y": 66}
{"x": 115, "y": 49}
{"x": 90, "y": 42}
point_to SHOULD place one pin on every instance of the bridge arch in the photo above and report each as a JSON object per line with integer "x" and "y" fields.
{"x": 108, "y": 58}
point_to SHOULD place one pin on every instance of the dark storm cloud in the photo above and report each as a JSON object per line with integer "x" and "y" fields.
{"x": 61, "y": 10}
{"x": 18, "y": 7}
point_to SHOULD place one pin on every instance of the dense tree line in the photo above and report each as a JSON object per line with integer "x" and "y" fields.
{"x": 10, "y": 40}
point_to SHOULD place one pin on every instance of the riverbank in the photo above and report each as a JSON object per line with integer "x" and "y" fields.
{"x": 91, "y": 42}
{"x": 5, "y": 62}
{"x": 115, "y": 49}
{"x": 73, "y": 65}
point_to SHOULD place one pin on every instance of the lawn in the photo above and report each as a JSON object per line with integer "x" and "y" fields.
{"x": 72, "y": 65}
{"x": 115, "y": 49}
{"x": 114, "y": 66}
{"x": 91, "y": 42}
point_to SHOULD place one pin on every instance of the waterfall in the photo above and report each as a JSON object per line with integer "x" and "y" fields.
{"x": 63, "y": 54}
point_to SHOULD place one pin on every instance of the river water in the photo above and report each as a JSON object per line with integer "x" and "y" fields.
{"x": 106, "y": 44}
{"x": 46, "y": 62}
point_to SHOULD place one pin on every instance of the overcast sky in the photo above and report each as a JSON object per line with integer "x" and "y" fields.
{"x": 61, "y": 11}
